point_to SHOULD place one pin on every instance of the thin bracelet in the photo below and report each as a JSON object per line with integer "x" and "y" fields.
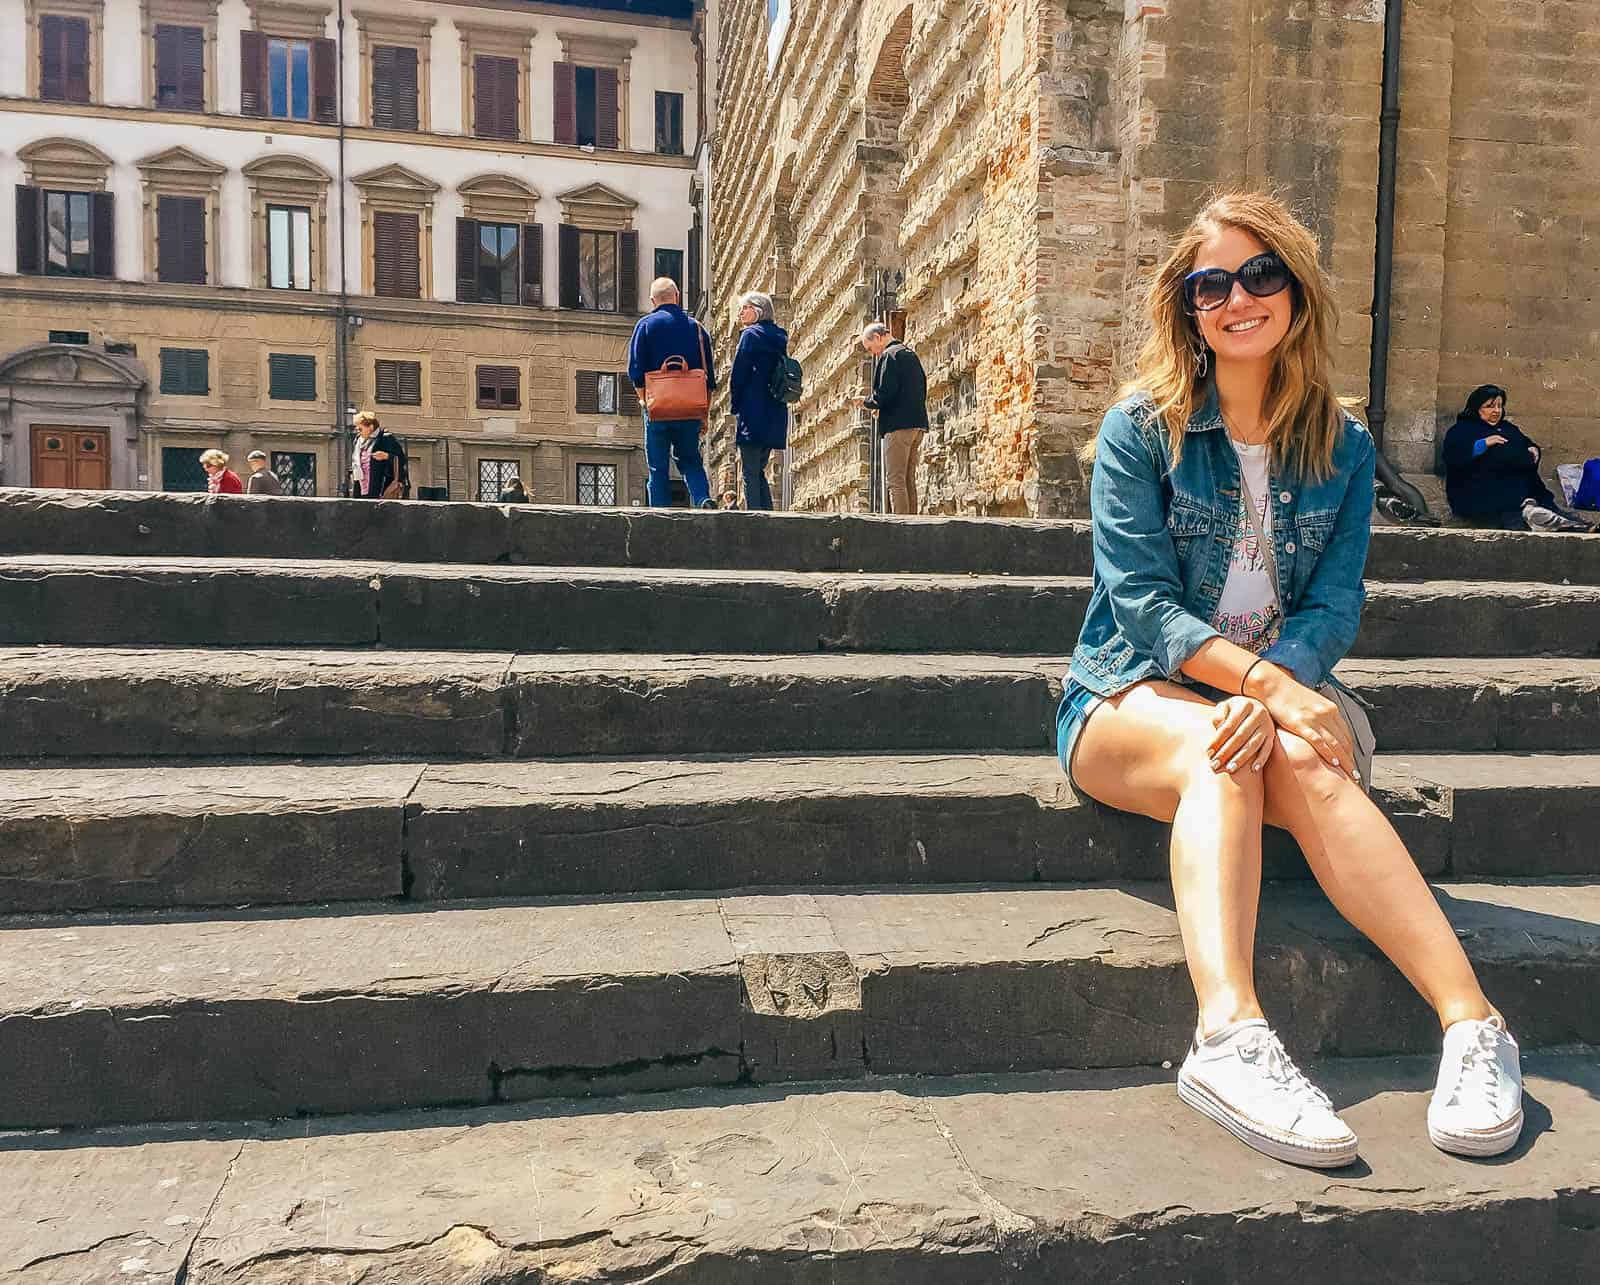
{"x": 1258, "y": 660}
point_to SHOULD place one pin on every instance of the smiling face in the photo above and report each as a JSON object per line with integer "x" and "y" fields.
{"x": 1245, "y": 329}
{"x": 1493, "y": 410}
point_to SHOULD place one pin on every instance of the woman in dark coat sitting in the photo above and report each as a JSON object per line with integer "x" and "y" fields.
{"x": 1492, "y": 469}
{"x": 378, "y": 468}
{"x": 763, "y": 420}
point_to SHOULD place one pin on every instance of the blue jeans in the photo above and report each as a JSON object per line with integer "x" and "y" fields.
{"x": 674, "y": 440}
{"x": 757, "y": 490}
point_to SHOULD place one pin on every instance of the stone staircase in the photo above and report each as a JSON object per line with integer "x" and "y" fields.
{"x": 454, "y": 893}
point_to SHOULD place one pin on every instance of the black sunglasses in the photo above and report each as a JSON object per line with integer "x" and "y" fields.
{"x": 1209, "y": 288}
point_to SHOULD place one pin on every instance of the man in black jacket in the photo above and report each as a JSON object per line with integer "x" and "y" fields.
{"x": 900, "y": 401}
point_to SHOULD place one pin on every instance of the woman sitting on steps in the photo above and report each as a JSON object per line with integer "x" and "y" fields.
{"x": 1232, "y": 502}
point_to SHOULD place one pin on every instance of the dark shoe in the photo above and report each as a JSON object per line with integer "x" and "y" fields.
{"x": 1540, "y": 518}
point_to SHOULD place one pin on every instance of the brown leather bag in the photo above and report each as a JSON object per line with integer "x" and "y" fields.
{"x": 675, "y": 392}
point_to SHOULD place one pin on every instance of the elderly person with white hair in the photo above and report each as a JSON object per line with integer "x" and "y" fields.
{"x": 762, "y": 419}
{"x": 667, "y": 331}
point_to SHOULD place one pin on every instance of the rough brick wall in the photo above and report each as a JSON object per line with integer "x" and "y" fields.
{"x": 1026, "y": 162}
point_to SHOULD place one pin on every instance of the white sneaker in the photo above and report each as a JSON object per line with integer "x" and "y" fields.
{"x": 1477, "y": 1102}
{"x": 1242, "y": 1079}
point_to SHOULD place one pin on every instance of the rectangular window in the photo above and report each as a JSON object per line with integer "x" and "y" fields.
{"x": 669, "y": 124}
{"x": 399, "y": 383}
{"x": 70, "y": 337}
{"x": 606, "y": 394}
{"x": 289, "y": 79}
{"x": 499, "y": 266}
{"x": 584, "y": 84}
{"x": 68, "y": 248}
{"x": 297, "y": 470}
{"x": 180, "y": 68}
{"x": 181, "y": 239}
{"x": 669, "y": 263}
{"x": 180, "y": 469}
{"x": 494, "y": 476}
{"x": 597, "y": 271}
{"x": 396, "y": 255}
{"x": 394, "y": 87}
{"x": 597, "y": 484}
{"x": 63, "y": 59}
{"x": 291, "y": 377}
{"x": 288, "y": 247}
{"x": 499, "y": 388}
{"x": 185, "y": 372}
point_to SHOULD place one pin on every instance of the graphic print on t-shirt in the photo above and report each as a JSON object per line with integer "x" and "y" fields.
{"x": 1247, "y": 612}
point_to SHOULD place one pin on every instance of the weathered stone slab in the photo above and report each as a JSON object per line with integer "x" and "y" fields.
{"x": 128, "y": 602}
{"x": 1479, "y": 618}
{"x": 275, "y": 1015}
{"x": 282, "y": 1014}
{"x": 123, "y": 702}
{"x": 161, "y": 525}
{"x": 200, "y": 836}
{"x": 983, "y": 1180}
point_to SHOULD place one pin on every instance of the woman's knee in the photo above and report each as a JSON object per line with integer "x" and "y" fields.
{"x": 1294, "y": 760}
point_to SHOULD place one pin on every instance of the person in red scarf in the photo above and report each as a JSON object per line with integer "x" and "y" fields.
{"x": 220, "y": 479}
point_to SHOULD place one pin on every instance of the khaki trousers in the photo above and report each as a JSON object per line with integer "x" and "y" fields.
{"x": 900, "y": 468}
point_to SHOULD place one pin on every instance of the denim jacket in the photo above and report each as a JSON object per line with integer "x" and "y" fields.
{"x": 1163, "y": 538}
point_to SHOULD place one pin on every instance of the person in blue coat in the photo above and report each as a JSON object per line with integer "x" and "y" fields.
{"x": 668, "y": 331}
{"x": 1492, "y": 469}
{"x": 763, "y": 420}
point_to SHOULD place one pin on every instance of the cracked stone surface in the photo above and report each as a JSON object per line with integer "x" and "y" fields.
{"x": 179, "y": 1017}
{"x": 981, "y": 1180}
{"x": 265, "y": 602}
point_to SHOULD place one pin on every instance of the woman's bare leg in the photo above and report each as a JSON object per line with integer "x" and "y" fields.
{"x": 1146, "y": 751}
{"x": 1364, "y": 868}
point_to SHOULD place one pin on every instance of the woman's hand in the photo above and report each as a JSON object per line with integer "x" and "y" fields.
{"x": 1244, "y": 735}
{"x": 380, "y": 455}
{"x": 1308, "y": 714}
{"x": 1494, "y": 439}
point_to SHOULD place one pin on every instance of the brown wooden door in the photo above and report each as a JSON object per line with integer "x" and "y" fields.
{"x": 75, "y": 458}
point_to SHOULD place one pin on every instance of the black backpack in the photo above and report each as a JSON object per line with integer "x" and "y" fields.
{"x": 786, "y": 382}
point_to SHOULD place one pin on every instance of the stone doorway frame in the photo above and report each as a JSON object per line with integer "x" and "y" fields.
{"x": 42, "y": 385}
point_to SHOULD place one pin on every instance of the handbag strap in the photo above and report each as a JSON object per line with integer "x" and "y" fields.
{"x": 1266, "y": 545}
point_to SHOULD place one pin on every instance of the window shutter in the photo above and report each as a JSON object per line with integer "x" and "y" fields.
{"x": 495, "y": 96}
{"x": 410, "y": 385}
{"x": 627, "y": 396}
{"x": 291, "y": 377}
{"x": 407, "y": 109}
{"x": 103, "y": 237}
{"x": 30, "y": 224}
{"x": 628, "y": 271}
{"x": 252, "y": 73}
{"x": 167, "y": 71}
{"x": 605, "y": 107}
{"x": 77, "y": 69}
{"x": 324, "y": 80}
{"x": 588, "y": 398}
{"x": 532, "y": 265}
{"x": 52, "y": 57}
{"x": 499, "y": 387}
{"x": 192, "y": 69}
{"x": 387, "y": 381}
{"x": 394, "y": 87}
{"x": 466, "y": 260}
{"x": 567, "y": 253}
{"x": 181, "y": 239}
{"x": 566, "y": 104}
{"x": 397, "y": 265}
{"x": 692, "y": 298}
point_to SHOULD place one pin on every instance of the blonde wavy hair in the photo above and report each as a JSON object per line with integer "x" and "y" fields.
{"x": 1304, "y": 417}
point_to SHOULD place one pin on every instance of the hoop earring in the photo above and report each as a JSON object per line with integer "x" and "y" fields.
{"x": 1202, "y": 361}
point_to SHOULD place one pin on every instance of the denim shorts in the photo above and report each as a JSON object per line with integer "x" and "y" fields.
{"x": 1077, "y": 703}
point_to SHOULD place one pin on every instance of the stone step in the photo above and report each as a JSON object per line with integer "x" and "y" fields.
{"x": 992, "y": 1180}
{"x": 85, "y": 601}
{"x": 157, "y": 525}
{"x": 275, "y": 834}
{"x": 127, "y": 702}
{"x": 256, "y": 1015}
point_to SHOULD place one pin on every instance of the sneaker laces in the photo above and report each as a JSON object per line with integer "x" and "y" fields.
{"x": 1479, "y": 1067}
{"x": 1267, "y": 1051}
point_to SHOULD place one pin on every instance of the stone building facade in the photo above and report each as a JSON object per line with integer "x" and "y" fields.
{"x": 237, "y": 219}
{"x": 1000, "y": 176}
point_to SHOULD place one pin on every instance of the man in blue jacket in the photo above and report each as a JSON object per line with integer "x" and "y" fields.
{"x": 668, "y": 331}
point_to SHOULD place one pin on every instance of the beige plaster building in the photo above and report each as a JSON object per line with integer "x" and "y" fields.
{"x": 236, "y": 219}
{"x": 1000, "y": 176}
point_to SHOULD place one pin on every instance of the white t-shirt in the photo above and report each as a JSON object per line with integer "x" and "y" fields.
{"x": 1248, "y": 608}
